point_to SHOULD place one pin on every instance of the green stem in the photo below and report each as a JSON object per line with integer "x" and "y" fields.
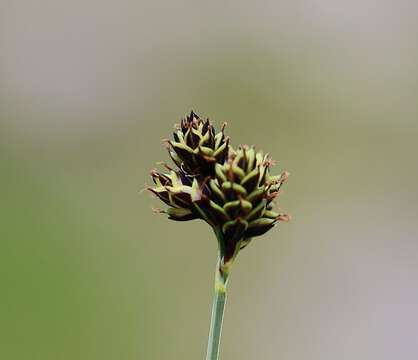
{"x": 218, "y": 309}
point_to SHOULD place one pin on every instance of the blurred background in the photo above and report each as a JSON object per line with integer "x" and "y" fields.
{"x": 87, "y": 91}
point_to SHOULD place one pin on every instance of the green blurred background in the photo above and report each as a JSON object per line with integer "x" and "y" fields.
{"x": 87, "y": 91}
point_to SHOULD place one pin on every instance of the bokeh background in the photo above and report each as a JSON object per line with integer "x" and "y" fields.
{"x": 87, "y": 91}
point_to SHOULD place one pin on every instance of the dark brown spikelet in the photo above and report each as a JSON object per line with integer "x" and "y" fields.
{"x": 175, "y": 189}
{"x": 196, "y": 147}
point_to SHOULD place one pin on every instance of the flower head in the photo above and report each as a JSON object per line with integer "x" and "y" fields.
{"x": 236, "y": 195}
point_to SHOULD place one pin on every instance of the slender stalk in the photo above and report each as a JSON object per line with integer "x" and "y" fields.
{"x": 218, "y": 309}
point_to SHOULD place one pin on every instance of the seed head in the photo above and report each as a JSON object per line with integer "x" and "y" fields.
{"x": 232, "y": 190}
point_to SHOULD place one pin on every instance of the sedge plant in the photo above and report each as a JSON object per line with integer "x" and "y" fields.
{"x": 230, "y": 189}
